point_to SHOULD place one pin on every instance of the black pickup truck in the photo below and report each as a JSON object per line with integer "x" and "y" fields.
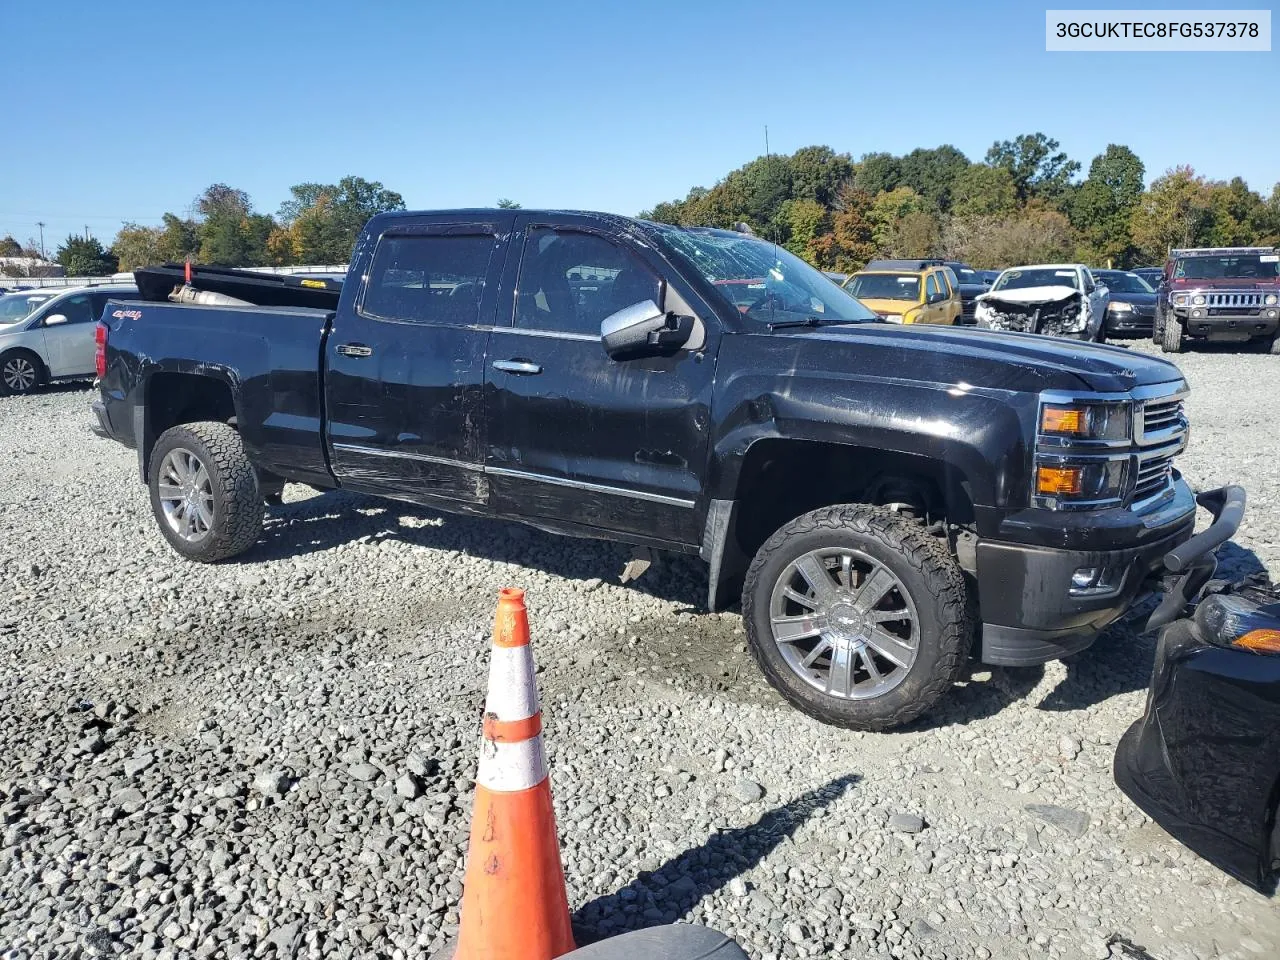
{"x": 880, "y": 495}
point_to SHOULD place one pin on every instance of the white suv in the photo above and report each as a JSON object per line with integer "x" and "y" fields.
{"x": 48, "y": 334}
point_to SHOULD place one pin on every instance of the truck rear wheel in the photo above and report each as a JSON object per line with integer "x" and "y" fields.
{"x": 1171, "y": 338}
{"x": 204, "y": 491}
{"x": 857, "y": 616}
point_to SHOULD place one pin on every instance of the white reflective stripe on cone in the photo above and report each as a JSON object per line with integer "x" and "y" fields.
{"x": 512, "y": 693}
{"x": 507, "y": 767}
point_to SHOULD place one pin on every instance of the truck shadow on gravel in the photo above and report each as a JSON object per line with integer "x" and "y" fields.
{"x": 671, "y": 891}
{"x": 338, "y": 518}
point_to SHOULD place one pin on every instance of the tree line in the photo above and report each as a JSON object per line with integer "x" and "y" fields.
{"x": 1023, "y": 203}
{"x": 318, "y": 224}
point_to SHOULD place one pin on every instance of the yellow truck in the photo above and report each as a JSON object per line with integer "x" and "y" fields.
{"x": 908, "y": 291}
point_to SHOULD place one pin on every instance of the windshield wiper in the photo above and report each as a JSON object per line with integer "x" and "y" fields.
{"x": 806, "y": 322}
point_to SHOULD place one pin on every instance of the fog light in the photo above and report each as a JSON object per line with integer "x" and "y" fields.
{"x": 1085, "y": 577}
{"x": 1196, "y": 313}
{"x": 1271, "y": 313}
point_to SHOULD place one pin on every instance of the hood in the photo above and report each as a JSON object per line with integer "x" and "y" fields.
{"x": 980, "y": 358}
{"x": 1031, "y": 295}
{"x": 888, "y": 307}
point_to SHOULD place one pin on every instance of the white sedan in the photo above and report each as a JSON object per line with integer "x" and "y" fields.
{"x": 1057, "y": 299}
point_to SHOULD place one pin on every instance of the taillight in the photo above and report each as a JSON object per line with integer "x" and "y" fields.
{"x": 100, "y": 353}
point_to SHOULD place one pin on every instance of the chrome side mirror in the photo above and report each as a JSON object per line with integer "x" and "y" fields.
{"x": 55, "y": 319}
{"x": 643, "y": 329}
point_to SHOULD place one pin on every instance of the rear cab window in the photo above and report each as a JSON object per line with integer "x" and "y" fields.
{"x": 428, "y": 278}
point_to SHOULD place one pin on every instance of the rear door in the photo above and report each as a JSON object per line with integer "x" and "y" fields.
{"x": 69, "y": 345}
{"x": 405, "y": 361}
{"x": 574, "y": 435}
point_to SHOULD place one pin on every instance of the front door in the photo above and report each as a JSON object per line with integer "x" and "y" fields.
{"x": 69, "y": 345}
{"x": 405, "y": 362}
{"x": 572, "y": 434}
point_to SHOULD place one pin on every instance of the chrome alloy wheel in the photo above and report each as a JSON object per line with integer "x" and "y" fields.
{"x": 186, "y": 494}
{"x": 19, "y": 374}
{"x": 844, "y": 623}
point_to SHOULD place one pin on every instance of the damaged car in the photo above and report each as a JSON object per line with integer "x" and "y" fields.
{"x": 1056, "y": 299}
{"x": 1204, "y": 760}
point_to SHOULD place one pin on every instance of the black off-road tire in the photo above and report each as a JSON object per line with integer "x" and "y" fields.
{"x": 41, "y": 374}
{"x": 237, "y": 501}
{"x": 925, "y": 567}
{"x": 1172, "y": 338}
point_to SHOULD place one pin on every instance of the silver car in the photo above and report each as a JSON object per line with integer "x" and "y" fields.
{"x": 47, "y": 334}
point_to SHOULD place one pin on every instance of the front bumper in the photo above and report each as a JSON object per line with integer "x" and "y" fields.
{"x": 1132, "y": 321}
{"x": 1030, "y": 616}
{"x": 1217, "y": 321}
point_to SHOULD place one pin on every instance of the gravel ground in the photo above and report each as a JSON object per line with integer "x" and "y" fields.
{"x": 271, "y": 757}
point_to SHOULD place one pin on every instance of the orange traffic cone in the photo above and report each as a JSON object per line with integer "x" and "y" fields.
{"x": 514, "y": 903}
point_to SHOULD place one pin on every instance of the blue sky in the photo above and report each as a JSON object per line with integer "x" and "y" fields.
{"x": 132, "y": 109}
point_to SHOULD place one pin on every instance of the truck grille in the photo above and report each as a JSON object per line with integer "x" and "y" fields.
{"x": 1160, "y": 415}
{"x": 1233, "y": 300}
{"x": 1155, "y": 473}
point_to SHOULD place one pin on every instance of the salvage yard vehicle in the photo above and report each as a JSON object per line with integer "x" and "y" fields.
{"x": 1204, "y": 760}
{"x": 969, "y": 284}
{"x": 1220, "y": 294}
{"x": 47, "y": 335}
{"x": 879, "y": 496}
{"x": 1131, "y": 305}
{"x": 907, "y": 291}
{"x": 1056, "y": 299}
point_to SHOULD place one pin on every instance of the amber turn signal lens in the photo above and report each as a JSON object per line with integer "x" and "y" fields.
{"x": 1062, "y": 420}
{"x": 1260, "y": 641}
{"x": 1056, "y": 480}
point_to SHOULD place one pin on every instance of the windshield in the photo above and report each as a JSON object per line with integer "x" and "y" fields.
{"x": 1248, "y": 267}
{"x": 884, "y": 286}
{"x": 1037, "y": 277}
{"x": 18, "y": 306}
{"x": 763, "y": 281}
{"x": 1124, "y": 282}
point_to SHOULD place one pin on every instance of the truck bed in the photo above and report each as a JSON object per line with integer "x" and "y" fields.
{"x": 155, "y": 283}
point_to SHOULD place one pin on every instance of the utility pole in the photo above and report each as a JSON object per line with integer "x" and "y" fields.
{"x": 40, "y": 224}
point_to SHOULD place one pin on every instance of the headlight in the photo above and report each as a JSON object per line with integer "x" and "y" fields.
{"x": 1180, "y": 299}
{"x": 1085, "y": 421}
{"x": 1270, "y": 300}
{"x": 1081, "y": 482}
{"x": 1119, "y": 307}
{"x": 1198, "y": 299}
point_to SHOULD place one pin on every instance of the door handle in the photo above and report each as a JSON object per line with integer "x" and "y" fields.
{"x": 522, "y": 367}
{"x": 354, "y": 350}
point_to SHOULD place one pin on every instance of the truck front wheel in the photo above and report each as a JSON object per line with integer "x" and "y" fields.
{"x": 857, "y": 616}
{"x": 204, "y": 492}
{"x": 1171, "y": 338}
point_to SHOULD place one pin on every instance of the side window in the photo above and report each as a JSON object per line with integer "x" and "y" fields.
{"x": 77, "y": 309}
{"x": 428, "y": 279}
{"x": 931, "y": 287}
{"x": 1088, "y": 281}
{"x": 952, "y": 280}
{"x": 570, "y": 281}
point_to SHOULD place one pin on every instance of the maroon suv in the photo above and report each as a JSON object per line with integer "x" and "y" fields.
{"x": 1219, "y": 293}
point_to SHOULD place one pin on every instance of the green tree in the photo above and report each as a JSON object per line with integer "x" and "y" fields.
{"x": 177, "y": 240}
{"x": 1038, "y": 167}
{"x": 84, "y": 257}
{"x": 806, "y": 220}
{"x": 877, "y": 173}
{"x": 345, "y": 206}
{"x": 851, "y": 242}
{"x": 137, "y": 246}
{"x": 1177, "y": 211}
{"x": 10, "y": 247}
{"x": 932, "y": 173}
{"x": 983, "y": 190}
{"x": 505, "y": 203}
{"x": 1102, "y": 206}
{"x": 817, "y": 173}
{"x": 887, "y": 209}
